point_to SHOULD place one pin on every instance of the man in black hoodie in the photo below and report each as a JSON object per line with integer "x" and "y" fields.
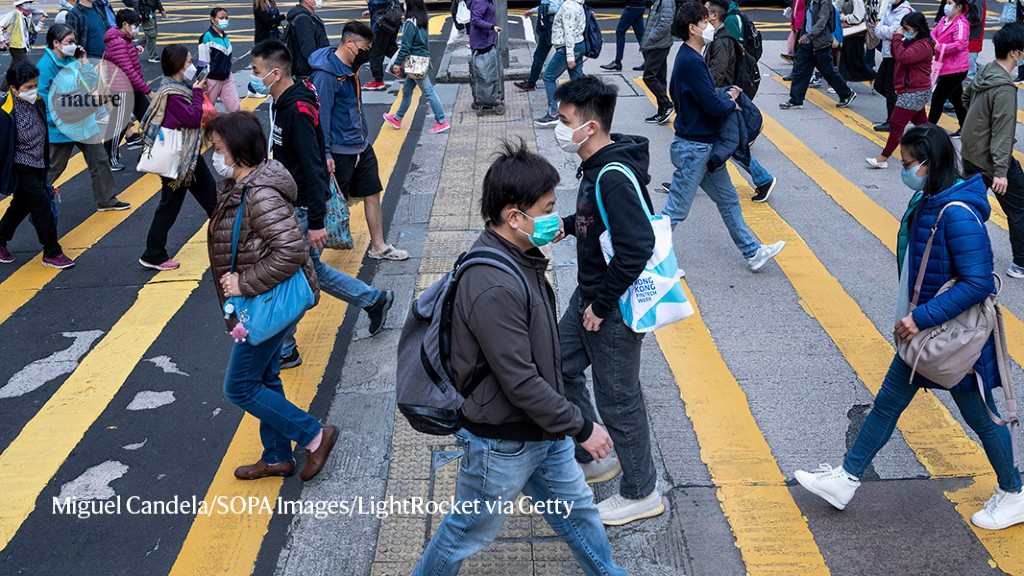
{"x": 306, "y": 34}
{"x": 295, "y": 133}
{"x": 592, "y": 332}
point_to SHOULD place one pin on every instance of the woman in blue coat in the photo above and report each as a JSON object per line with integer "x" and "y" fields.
{"x": 961, "y": 250}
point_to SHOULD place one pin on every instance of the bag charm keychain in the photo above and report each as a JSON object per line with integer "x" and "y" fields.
{"x": 239, "y": 332}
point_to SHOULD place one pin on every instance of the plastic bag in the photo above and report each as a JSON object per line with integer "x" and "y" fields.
{"x": 209, "y": 110}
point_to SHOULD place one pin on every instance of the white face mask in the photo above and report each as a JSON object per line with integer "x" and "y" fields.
{"x": 708, "y": 33}
{"x": 563, "y": 136}
{"x": 318, "y": 4}
{"x": 29, "y": 96}
{"x": 135, "y": 30}
{"x": 190, "y": 72}
{"x": 69, "y": 49}
{"x": 218, "y": 165}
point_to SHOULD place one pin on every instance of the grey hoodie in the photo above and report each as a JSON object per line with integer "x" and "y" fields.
{"x": 988, "y": 131}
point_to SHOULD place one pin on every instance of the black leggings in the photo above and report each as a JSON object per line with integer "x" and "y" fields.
{"x": 949, "y": 87}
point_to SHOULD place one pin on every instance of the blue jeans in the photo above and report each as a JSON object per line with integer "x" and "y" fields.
{"x": 758, "y": 174}
{"x": 540, "y": 54}
{"x": 556, "y": 65}
{"x": 427, "y": 88}
{"x": 973, "y": 70}
{"x": 691, "y": 162}
{"x": 632, "y": 17}
{"x": 495, "y": 472}
{"x": 253, "y": 383}
{"x": 332, "y": 281}
{"x": 893, "y": 399}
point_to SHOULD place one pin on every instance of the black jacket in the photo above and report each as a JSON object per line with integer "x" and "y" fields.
{"x": 297, "y": 136}
{"x": 739, "y": 131}
{"x": 9, "y": 140}
{"x": 266, "y": 22}
{"x": 721, "y": 58}
{"x": 601, "y": 284}
{"x": 306, "y": 34}
{"x": 145, "y": 8}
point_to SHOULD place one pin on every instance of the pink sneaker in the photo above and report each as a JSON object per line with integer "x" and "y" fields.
{"x": 60, "y": 261}
{"x": 440, "y": 127}
{"x": 395, "y": 122}
{"x": 168, "y": 265}
{"x": 5, "y": 255}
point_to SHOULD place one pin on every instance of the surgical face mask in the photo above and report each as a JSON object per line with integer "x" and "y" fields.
{"x": 190, "y": 72}
{"x": 223, "y": 169}
{"x": 318, "y": 4}
{"x": 69, "y": 49}
{"x": 563, "y": 136}
{"x": 545, "y": 228}
{"x": 708, "y": 33}
{"x": 909, "y": 35}
{"x": 912, "y": 180}
{"x": 136, "y": 30}
{"x": 223, "y": 24}
{"x": 29, "y": 96}
{"x": 260, "y": 86}
{"x": 948, "y": 9}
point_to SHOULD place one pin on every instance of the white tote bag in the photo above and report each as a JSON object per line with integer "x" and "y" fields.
{"x": 462, "y": 14}
{"x": 656, "y": 298}
{"x": 164, "y": 156}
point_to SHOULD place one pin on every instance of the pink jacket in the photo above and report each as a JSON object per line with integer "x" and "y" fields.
{"x": 951, "y": 40}
{"x": 123, "y": 68}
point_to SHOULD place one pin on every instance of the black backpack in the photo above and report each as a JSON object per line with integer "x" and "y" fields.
{"x": 748, "y": 74}
{"x": 592, "y": 39}
{"x": 390, "y": 20}
{"x": 752, "y": 40}
{"x": 424, "y": 390}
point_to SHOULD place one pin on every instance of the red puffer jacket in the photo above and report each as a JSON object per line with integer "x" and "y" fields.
{"x": 913, "y": 71}
{"x": 122, "y": 68}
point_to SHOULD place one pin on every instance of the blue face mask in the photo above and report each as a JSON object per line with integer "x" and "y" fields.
{"x": 545, "y": 228}
{"x": 222, "y": 24}
{"x": 912, "y": 180}
{"x": 909, "y": 35}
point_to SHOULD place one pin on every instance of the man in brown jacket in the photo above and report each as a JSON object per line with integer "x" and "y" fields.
{"x": 518, "y": 426}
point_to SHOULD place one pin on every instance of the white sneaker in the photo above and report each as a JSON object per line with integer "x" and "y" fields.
{"x": 835, "y": 485}
{"x": 876, "y": 164}
{"x": 1015, "y": 271}
{"x": 616, "y": 511}
{"x": 1003, "y": 509}
{"x": 595, "y": 473}
{"x": 764, "y": 254}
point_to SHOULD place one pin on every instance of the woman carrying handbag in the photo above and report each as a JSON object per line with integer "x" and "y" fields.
{"x": 256, "y": 247}
{"x": 177, "y": 107}
{"x": 942, "y": 237}
{"x": 414, "y": 56}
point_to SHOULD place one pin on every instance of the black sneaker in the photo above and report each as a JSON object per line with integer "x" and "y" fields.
{"x": 378, "y": 312}
{"x": 133, "y": 141}
{"x": 664, "y": 188}
{"x": 525, "y": 86}
{"x": 764, "y": 191}
{"x": 639, "y": 67}
{"x": 663, "y": 117}
{"x": 790, "y": 105}
{"x": 881, "y": 127}
{"x": 845, "y": 102}
{"x": 292, "y": 360}
{"x": 612, "y": 66}
{"x": 116, "y": 166}
{"x": 546, "y": 121}
{"x": 787, "y": 78}
{"x": 115, "y": 206}
{"x": 955, "y": 134}
{"x": 653, "y": 119}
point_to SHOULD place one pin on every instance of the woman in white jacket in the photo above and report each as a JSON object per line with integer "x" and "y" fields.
{"x": 567, "y": 39}
{"x": 892, "y": 16}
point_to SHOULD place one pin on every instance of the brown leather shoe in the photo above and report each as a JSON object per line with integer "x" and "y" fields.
{"x": 261, "y": 470}
{"x": 315, "y": 460}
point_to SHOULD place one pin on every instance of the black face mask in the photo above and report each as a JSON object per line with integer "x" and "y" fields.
{"x": 362, "y": 57}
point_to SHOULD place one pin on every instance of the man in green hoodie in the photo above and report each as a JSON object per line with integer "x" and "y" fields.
{"x": 988, "y": 134}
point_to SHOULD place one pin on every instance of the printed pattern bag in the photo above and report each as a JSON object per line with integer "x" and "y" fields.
{"x": 416, "y": 67}
{"x": 656, "y": 298}
{"x": 339, "y": 236}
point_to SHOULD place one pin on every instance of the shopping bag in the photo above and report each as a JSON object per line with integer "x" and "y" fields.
{"x": 163, "y": 157}
{"x": 209, "y": 110}
{"x": 462, "y": 14}
{"x": 656, "y": 298}
{"x": 339, "y": 236}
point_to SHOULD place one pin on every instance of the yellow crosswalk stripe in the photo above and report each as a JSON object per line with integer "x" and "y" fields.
{"x": 35, "y": 455}
{"x": 229, "y": 544}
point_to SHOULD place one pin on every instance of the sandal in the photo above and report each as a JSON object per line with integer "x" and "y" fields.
{"x": 390, "y": 253}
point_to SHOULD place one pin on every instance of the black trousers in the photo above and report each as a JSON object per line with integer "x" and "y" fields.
{"x": 852, "y": 64}
{"x": 655, "y": 76}
{"x": 885, "y": 85}
{"x": 203, "y": 188}
{"x": 384, "y": 45}
{"x": 120, "y": 119}
{"x": 31, "y": 196}
{"x": 1012, "y": 203}
{"x": 807, "y": 60}
{"x": 949, "y": 87}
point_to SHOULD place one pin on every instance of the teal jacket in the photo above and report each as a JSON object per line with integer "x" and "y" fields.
{"x": 57, "y": 76}
{"x": 415, "y": 42}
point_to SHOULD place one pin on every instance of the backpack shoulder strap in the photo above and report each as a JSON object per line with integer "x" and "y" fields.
{"x": 928, "y": 247}
{"x": 628, "y": 173}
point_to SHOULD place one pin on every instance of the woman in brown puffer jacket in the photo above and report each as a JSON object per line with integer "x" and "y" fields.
{"x": 271, "y": 249}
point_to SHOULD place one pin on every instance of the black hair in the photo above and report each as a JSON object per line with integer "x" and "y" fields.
{"x": 720, "y": 7}
{"x": 919, "y": 23}
{"x": 593, "y": 98}
{"x": 417, "y": 10}
{"x": 687, "y": 13}
{"x": 275, "y": 54}
{"x": 173, "y": 58}
{"x": 20, "y": 72}
{"x": 242, "y": 135}
{"x": 517, "y": 177}
{"x": 1008, "y": 39}
{"x": 217, "y": 10}
{"x": 356, "y": 29}
{"x": 932, "y": 145}
{"x": 127, "y": 15}
{"x": 57, "y": 33}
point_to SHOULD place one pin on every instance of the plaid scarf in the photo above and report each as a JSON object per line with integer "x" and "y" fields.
{"x": 192, "y": 138}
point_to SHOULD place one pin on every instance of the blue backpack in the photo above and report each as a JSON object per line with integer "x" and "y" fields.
{"x": 592, "y": 39}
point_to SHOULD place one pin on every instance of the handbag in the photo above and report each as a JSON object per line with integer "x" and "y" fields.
{"x": 339, "y": 236}
{"x": 163, "y": 157}
{"x": 871, "y": 39}
{"x": 390, "y": 20}
{"x": 209, "y": 110}
{"x": 416, "y": 67}
{"x": 656, "y": 298}
{"x": 268, "y": 314}
{"x": 946, "y": 353}
{"x": 937, "y": 66}
{"x": 855, "y": 29}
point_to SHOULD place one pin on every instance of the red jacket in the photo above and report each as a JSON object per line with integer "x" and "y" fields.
{"x": 913, "y": 72}
{"x": 123, "y": 68}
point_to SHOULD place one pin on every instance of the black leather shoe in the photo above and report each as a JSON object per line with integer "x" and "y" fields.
{"x": 612, "y": 66}
{"x": 881, "y": 127}
{"x": 638, "y": 68}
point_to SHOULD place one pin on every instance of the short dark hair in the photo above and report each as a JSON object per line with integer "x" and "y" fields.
{"x": 1008, "y": 38}
{"x": 243, "y": 136}
{"x": 20, "y": 72}
{"x": 127, "y": 15}
{"x": 517, "y": 177}
{"x": 919, "y": 23}
{"x": 687, "y": 13}
{"x": 593, "y": 98}
{"x": 720, "y": 7}
{"x": 173, "y": 58}
{"x": 275, "y": 54}
{"x": 217, "y": 10}
{"x": 57, "y": 33}
{"x": 931, "y": 144}
{"x": 356, "y": 29}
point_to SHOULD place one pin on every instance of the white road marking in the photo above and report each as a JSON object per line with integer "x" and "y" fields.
{"x": 135, "y": 446}
{"x": 166, "y": 364}
{"x": 148, "y": 399}
{"x": 94, "y": 483}
{"x": 39, "y": 372}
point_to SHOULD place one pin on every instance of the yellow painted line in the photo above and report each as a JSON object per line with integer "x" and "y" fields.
{"x": 935, "y": 436}
{"x": 436, "y": 23}
{"x": 229, "y": 544}
{"x": 771, "y": 533}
